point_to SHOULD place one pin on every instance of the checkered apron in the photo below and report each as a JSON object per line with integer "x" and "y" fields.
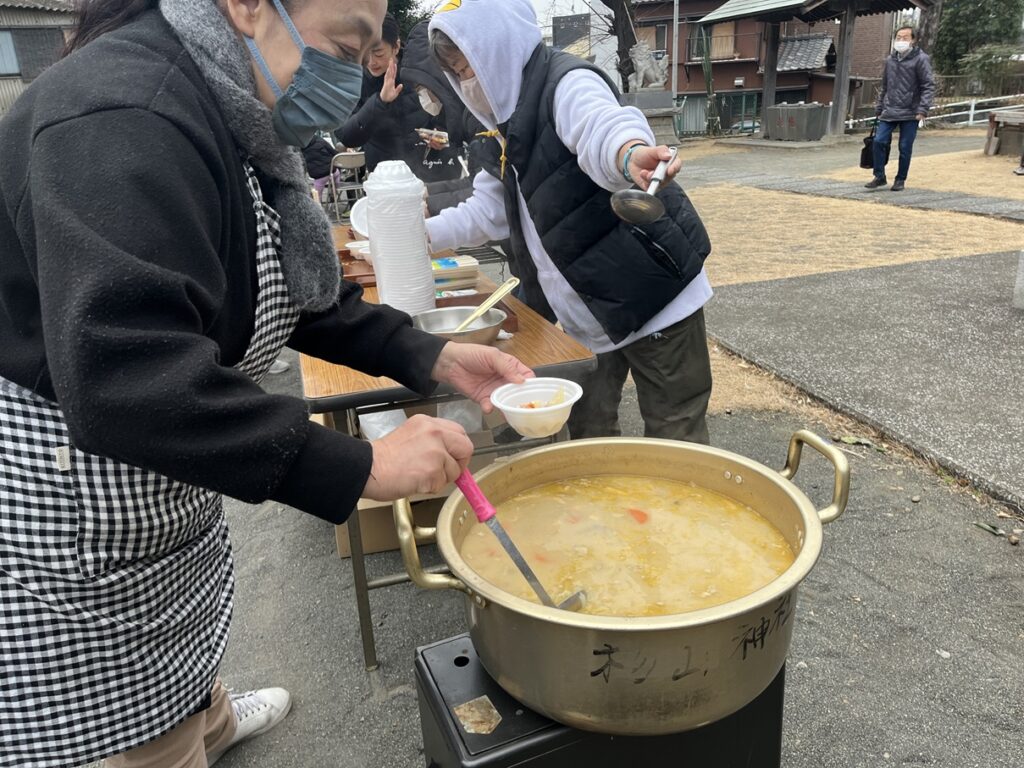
{"x": 116, "y": 583}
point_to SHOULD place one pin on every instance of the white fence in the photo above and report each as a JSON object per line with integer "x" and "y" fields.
{"x": 972, "y": 109}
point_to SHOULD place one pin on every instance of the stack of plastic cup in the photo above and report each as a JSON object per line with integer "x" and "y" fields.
{"x": 398, "y": 238}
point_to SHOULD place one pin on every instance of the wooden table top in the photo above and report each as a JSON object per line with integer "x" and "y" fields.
{"x": 538, "y": 344}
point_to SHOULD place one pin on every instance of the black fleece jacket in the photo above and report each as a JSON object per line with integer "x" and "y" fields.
{"x": 128, "y": 285}
{"x": 388, "y": 131}
{"x": 385, "y": 130}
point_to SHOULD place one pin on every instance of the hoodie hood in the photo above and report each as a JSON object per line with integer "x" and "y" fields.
{"x": 497, "y": 37}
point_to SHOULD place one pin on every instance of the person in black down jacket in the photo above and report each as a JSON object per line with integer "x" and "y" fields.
{"x": 906, "y": 96}
{"x": 446, "y": 186}
{"x": 438, "y": 161}
{"x": 386, "y": 118}
{"x": 158, "y": 248}
{"x": 559, "y": 146}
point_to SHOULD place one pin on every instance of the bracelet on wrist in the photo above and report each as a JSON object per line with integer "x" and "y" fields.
{"x": 625, "y": 162}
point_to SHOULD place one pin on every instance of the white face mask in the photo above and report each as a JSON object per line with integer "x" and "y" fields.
{"x": 473, "y": 93}
{"x": 429, "y": 102}
{"x": 901, "y": 46}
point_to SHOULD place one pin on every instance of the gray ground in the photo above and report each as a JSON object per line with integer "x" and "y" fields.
{"x": 931, "y": 352}
{"x": 826, "y": 158}
{"x": 907, "y": 644}
{"x": 906, "y": 648}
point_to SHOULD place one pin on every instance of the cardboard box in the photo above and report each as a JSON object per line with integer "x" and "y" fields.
{"x": 377, "y": 526}
{"x": 376, "y": 519}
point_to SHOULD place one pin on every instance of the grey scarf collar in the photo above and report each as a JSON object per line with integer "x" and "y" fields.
{"x": 308, "y": 257}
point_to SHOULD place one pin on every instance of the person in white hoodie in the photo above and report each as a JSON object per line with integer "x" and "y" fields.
{"x": 561, "y": 146}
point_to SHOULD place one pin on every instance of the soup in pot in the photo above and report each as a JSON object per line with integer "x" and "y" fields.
{"x": 637, "y": 546}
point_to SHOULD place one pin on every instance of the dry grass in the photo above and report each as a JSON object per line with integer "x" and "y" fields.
{"x": 698, "y": 148}
{"x": 763, "y": 235}
{"x": 971, "y": 172}
{"x": 742, "y": 386}
{"x": 801, "y": 235}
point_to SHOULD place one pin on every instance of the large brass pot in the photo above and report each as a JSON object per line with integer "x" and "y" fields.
{"x": 647, "y": 675}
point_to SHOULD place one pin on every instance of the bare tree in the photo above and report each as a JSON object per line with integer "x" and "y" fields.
{"x": 621, "y": 21}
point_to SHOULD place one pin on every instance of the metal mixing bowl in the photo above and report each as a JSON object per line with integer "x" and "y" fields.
{"x": 441, "y": 322}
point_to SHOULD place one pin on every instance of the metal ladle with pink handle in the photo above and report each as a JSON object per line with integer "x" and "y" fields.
{"x": 486, "y": 514}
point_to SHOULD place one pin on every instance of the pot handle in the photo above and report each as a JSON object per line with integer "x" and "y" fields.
{"x": 841, "y": 489}
{"x": 407, "y": 537}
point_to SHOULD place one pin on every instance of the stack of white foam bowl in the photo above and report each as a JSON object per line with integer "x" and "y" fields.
{"x": 398, "y": 238}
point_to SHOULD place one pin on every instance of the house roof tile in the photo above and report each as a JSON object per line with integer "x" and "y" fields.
{"x": 804, "y": 52}
{"x": 808, "y": 10}
{"x": 64, "y": 6}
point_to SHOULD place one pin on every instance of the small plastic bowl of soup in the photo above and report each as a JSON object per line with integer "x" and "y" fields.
{"x": 359, "y": 249}
{"x": 537, "y": 407}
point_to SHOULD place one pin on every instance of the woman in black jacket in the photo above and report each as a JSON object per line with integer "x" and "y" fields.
{"x": 387, "y": 115}
{"x": 158, "y": 247}
{"x": 391, "y": 109}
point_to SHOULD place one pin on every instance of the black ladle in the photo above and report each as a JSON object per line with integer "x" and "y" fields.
{"x": 639, "y": 207}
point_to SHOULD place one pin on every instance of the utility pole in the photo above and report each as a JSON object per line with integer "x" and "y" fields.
{"x": 771, "y": 75}
{"x": 675, "y": 50}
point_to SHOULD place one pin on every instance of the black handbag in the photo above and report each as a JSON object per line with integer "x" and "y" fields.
{"x": 867, "y": 154}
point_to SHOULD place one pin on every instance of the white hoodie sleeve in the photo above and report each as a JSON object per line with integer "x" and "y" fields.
{"x": 592, "y": 124}
{"x": 476, "y": 221}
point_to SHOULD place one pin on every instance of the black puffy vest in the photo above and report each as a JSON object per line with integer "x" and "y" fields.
{"x": 625, "y": 273}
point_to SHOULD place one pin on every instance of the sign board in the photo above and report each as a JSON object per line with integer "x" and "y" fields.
{"x": 571, "y": 34}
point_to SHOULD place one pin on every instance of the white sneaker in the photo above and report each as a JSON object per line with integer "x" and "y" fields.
{"x": 279, "y": 366}
{"x": 256, "y": 712}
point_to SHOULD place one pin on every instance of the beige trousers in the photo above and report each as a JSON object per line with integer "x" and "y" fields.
{"x": 186, "y": 746}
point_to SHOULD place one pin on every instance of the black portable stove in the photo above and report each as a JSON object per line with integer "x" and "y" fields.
{"x": 449, "y": 674}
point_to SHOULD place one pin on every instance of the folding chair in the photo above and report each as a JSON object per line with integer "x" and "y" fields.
{"x": 354, "y": 163}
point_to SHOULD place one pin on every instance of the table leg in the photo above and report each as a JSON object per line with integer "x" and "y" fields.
{"x": 355, "y": 542}
{"x": 361, "y": 583}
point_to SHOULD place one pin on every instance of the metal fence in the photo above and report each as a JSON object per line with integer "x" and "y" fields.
{"x": 692, "y": 115}
{"x": 740, "y": 113}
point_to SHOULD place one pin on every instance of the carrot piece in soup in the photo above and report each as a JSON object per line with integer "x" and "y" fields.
{"x": 638, "y": 514}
